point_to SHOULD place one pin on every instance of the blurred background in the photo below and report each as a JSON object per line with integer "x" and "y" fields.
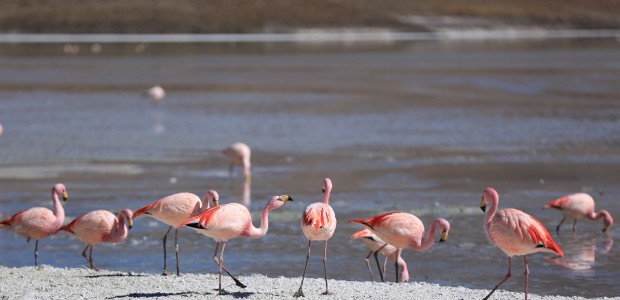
{"x": 413, "y": 106}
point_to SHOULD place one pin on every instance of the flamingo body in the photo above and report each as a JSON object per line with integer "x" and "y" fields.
{"x": 579, "y": 206}
{"x": 318, "y": 222}
{"x": 515, "y": 233}
{"x": 39, "y": 222}
{"x": 156, "y": 93}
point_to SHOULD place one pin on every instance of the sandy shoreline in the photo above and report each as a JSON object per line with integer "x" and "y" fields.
{"x": 61, "y": 283}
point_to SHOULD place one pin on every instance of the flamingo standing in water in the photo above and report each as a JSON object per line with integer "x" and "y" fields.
{"x": 318, "y": 223}
{"x": 378, "y": 246}
{"x": 39, "y": 222}
{"x": 1, "y": 130}
{"x": 175, "y": 209}
{"x": 156, "y": 93}
{"x": 402, "y": 230}
{"x": 225, "y": 222}
{"x": 515, "y": 233}
{"x": 239, "y": 155}
{"x": 577, "y": 206}
{"x": 99, "y": 226}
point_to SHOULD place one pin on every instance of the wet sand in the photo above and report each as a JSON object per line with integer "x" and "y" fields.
{"x": 56, "y": 283}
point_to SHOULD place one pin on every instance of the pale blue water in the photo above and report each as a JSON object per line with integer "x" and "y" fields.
{"x": 421, "y": 127}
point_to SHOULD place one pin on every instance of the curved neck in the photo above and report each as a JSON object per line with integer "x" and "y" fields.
{"x": 328, "y": 190}
{"x": 120, "y": 230}
{"x": 264, "y": 224}
{"x": 600, "y": 214}
{"x": 427, "y": 241}
{"x": 59, "y": 211}
{"x": 492, "y": 210}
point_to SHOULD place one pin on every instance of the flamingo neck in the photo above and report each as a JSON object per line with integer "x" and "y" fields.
{"x": 427, "y": 241}
{"x": 404, "y": 273}
{"x": 492, "y": 210}
{"x": 328, "y": 190}
{"x": 120, "y": 230}
{"x": 254, "y": 232}
{"x": 59, "y": 211}
{"x": 601, "y": 214}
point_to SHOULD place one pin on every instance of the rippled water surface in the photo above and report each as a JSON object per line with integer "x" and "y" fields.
{"x": 421, "y": 127}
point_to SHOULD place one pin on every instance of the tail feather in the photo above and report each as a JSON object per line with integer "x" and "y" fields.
{"x": 142, "y": 211}
{"x": 557, "y": 203}
{"x": 361, "y": 234}
{"x": 372, "y": 221}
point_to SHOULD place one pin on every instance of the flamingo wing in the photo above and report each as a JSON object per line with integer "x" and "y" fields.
{"x": 202, "y": 220}
{"x": 558, "y": 203}
{"x": 373, "y": 221}
{"x": 318, "y": 216}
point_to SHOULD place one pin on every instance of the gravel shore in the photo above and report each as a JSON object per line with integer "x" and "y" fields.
{"x": 48, "y": 282}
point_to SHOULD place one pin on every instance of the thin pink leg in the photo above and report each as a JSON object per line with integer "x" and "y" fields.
{"x": 300, "y": 292}
{"x": 381, "y": 272}
{"x": 92, "y": 264}
{"x": 503, "y": 280}
{"x": 398, "y": 252}
{"x": 368, "y": 265}
{"x": 165, "y": 272}
{"x": 84, "y": 253}
{"x": 221, "y": 265}
{"x": 176, "y": 249}
{"x": 325, "y": 268}
{"x": 527, "y": 271}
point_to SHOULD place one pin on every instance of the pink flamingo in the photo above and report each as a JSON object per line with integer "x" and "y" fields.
{"x": 402, "y": 230}
{"x": 39, "y": 222}
{"x": 577, "y": 206}
{"x": 378, "y": 246}
{"x": 99, "y": 226}
{"x": 225, "y": 222}
{"x": 318, "y": 223}
{"x": 239, "y": 155}
{"x": 1, "y": 130}
{"x": 156, "y": 93}
{"x": 515, "y": 233}
{"x": 175, "y": 209}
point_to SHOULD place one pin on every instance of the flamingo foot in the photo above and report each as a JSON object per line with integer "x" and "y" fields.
{"x": 299, "y": 293}
{"x": 327, "y": 293}
{"x": 166, "y": 273}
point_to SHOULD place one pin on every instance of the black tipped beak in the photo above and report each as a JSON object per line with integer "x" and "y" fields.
{"x": 323, "y": 190}
{"x": 441, "y": 240}
{"x": 290, "y": 198}
{"x": 484, "y": 208}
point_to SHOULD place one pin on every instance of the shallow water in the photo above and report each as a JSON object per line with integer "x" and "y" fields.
{"x": 421, "y": 127}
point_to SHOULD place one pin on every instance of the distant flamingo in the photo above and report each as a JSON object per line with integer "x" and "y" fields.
{"x": 156, "y": 93}
{"x": 402, "y": 230}
{"x": 1, "y": 130}
{"x": 378, "y": 246}
{"x": 175, "y": 209}
{"x": 39, "y": 222}
{"x": 239, "y": 155}
{"x": 99, "y": 226}
{"x": 515, "y": 233}
{"x": 318, "y": 223}
{"x": 577, "y": 206}
{"x": 225, "y": 222}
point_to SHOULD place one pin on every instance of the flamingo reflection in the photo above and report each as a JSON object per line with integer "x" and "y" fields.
{"x": 580, "y": 252}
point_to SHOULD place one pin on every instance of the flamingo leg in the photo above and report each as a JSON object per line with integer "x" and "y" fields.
{"x": 164, "y": 241}
{"x": 231, "y": 168}
{"x": 396, "y": 263}
{"x": 220, "y": 263}
{"x": 216, "y": 261}
{"x": 503, "y": 280}
{"x": 176, "y": 248}
{"x": 368, "y": 264}
{"x": 384, "y": 266}
{"x": 300, "y": 292}
{"x": 36, "y": 252}
{"x": 90, "y": 259}
{"x": 557, "y": 228}
{"x": 575, "y": 226}
{"x": 527, "y": 271}
{"x": 84, "y": 253}
{"x": 325, "y": 268}
{"x": 381, "y": 272}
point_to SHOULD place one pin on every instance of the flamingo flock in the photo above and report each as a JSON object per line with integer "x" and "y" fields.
{"x": 513, "y": 231}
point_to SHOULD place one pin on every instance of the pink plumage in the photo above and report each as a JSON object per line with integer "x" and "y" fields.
{"x": 239, "y": 154}
{"x": 402, "y": 230}
{"x": 99, "y": 226}
{"x": 579, "y": 206}
{"x": 39, "y": 222}
{"x": 378, "y": 246}
{"x": 174, "y": 210}
{"x": 318, "y": 223}
{"x": 515, "y": 233}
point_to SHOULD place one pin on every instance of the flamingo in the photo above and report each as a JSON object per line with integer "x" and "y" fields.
{"x": 239, "y": 154}
{"x": 175, "y": 209}
{"x": 156, "y": 93}
{"x": 99, "y": 226}
{"x": 378, "y": 246}
{"x": 577, "y": 206}
{"x": 1, "y": 130}
{"x": 225, "y": 222}
{"x": 402, "y": 230}
{"x": 515, "y": 233}
{"x": 39, "y": 222}
{"x": 318, "y": 223}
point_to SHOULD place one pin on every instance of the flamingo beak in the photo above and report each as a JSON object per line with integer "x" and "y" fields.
{"x": 323, "y": 189}
{"x": 65, "y": 195}
{"x": 129, "y": 223}
{"x": 444, "y": 236}
{"x": 483, "y": 204}
{"x": 605, "y": 229}
{"x": 285, "y": 198}
{"x": 215, "y": 202}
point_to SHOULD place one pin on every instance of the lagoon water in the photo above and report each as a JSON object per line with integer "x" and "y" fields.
{"x": 421, "y": 127}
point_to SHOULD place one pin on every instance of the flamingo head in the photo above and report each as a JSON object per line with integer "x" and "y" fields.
{"x": 488, "y": 195}
{"x": 277, "y": 201}
{"x": 127, "y": 213}
{"x": 608, "y": 221}
{"x": 445, "y": 228}
{"x": 327, "y": 185}
{"x": 60, "y": 189}
{"x": 212, "y": 195}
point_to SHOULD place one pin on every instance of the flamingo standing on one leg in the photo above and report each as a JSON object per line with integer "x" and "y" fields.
{"x": 378, "y": 246}
{"x": 404, "y": 230}
{"x": 515, "y": 233}
{"x": 225, "y": 222}
{"x": 99, "y": 226}
{"x": 577, "y": 206}
{"x": 39, "y": 222}
{"x": 239, "y": 155}
{"x": 175, "y": 209}
{"x": 318, "y": 223}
